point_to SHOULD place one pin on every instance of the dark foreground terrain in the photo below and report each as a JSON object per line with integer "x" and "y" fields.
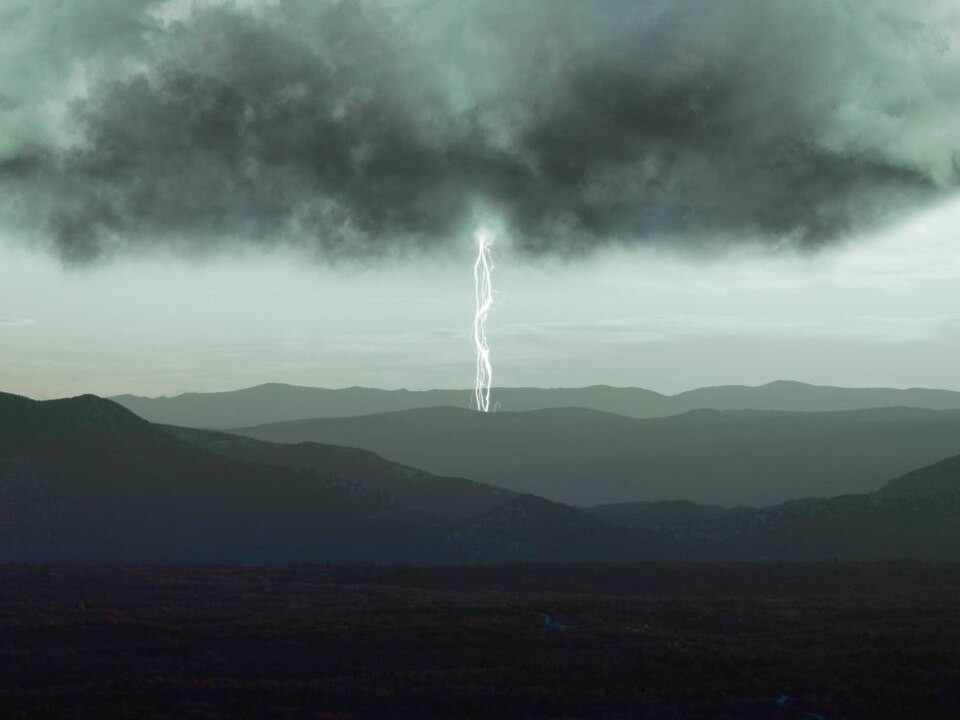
{"x": 877, "y": 640}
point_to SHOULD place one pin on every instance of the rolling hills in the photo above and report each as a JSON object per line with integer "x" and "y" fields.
{"x": 585, "y": 457}
{"x": 915, "y": 515}
{"x": 448, "y": 497}
{"x": 276, "y": 402}
{"x": 83, "y": 479}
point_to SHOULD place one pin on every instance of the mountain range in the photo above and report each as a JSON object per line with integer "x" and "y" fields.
{"x": 83, "y": 479}
{"x": 277, "y": 402}
{"x": 585, "y": 457}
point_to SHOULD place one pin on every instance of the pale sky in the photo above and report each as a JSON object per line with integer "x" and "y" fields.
{"x": 880, "y": 311}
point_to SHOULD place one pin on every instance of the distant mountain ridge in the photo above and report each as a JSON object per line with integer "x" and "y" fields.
{"x": 587, "y": 457}
{"x": 277, "y": 402}
{"x": 447, "y": 497}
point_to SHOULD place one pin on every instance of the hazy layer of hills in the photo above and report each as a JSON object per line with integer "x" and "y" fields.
{"x": 449, "y": 497}
{"x": 277, "y": 402}
{"x": 84, "y": 479}
{"x": 585, "y": 457}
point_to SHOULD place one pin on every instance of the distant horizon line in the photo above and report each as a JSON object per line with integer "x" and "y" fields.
{"x": 495, "y": 388}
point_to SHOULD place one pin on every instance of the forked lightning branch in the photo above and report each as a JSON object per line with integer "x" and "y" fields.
{"x": 482, "y": 272}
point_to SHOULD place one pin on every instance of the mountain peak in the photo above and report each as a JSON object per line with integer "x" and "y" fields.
{"x": 93, "y": 407}
{"x": 938, "y": 483}
{"x": 22, "y": 415}
{"x": 789, "y": 384}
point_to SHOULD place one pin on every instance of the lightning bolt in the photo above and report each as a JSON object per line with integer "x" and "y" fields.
{"x": 483, "y": 286}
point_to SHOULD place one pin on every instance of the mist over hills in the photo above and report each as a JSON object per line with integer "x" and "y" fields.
{"x": 585, "y": 457}
{"x": 448, "y": 497}
{"x": 85, "y": 480}
{"x": 277, "y": 402}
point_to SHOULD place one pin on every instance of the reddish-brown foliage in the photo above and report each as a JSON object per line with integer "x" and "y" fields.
{"x": 343, "y": 642}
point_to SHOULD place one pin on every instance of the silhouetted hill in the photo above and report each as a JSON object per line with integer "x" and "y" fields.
{"x": 915, "y": 515}
{"x": 277, "y": 402}
{"x": 931, "y": 490}
{"x": 585, "y": 457}
{"x": 789, "y": 395}
{"x": 447, "y": 497}
{"x": 84, "y": 479}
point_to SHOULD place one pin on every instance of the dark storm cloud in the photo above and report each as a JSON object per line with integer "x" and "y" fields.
{"x": 361, "y": 129}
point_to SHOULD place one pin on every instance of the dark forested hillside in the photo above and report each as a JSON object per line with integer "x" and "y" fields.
{"x": 84, "y": 479}
{"x": 367, "y": 642}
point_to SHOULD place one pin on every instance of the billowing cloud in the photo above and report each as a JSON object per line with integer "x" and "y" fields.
{"x": 362, "y": 128}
